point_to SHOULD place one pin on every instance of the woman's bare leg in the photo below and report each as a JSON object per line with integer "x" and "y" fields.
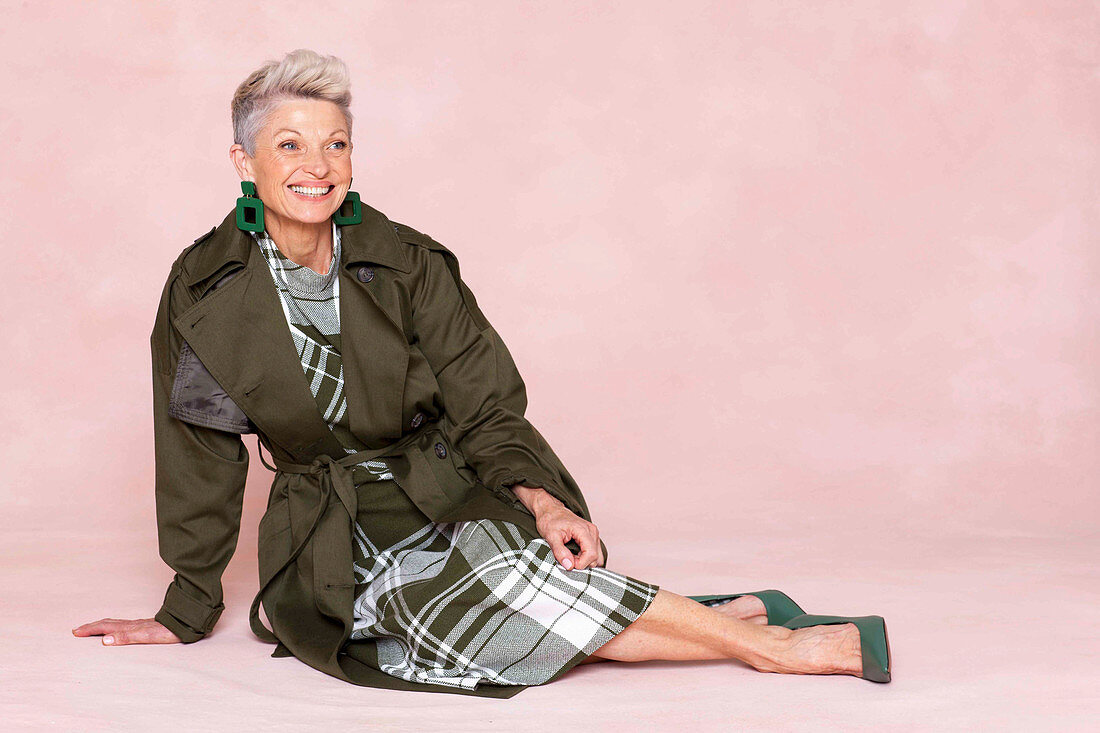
{"x": 747, "y": 608}
{"x": 675, "y": 627}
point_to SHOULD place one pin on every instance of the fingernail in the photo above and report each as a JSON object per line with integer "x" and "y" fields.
{"x": 108, "y": 640}
{"x": 568, "y": 563}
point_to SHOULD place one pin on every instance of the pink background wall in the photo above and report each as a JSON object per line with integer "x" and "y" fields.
{"x": 851, "y": 252}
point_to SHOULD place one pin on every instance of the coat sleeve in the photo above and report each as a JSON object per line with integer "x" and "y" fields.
{"x": 482, "y": 390}
{"x": 199, "y": 485}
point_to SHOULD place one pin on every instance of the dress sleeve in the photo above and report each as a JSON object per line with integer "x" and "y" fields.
{"x": 482, "y": 390}
{"x": 199, "y": 484}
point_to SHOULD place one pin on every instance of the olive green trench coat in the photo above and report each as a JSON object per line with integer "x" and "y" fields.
{"x": 430, "y": 387}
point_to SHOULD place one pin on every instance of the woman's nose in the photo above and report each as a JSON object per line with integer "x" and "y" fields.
{"x": 316, "y": 163}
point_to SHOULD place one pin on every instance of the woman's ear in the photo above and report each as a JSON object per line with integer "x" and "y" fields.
{"x": 242, "y": 161}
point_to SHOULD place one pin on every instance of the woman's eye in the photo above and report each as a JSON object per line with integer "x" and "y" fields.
{"x": 341, "y": 143}
{"x": 288, "y": 142}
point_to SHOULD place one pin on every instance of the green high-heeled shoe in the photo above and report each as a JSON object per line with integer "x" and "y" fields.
{"x": 778, "y": 605}
{"x": 874, "y": 645}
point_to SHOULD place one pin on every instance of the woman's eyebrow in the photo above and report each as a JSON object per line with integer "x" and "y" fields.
{"x": 287, "y": 129}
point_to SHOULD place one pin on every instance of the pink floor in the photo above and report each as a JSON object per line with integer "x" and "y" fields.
{"x": 998, "y": 632}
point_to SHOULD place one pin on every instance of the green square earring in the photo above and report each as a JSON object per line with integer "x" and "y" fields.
{"x": 350, "y": 211}
{"x": 250, "y": 209}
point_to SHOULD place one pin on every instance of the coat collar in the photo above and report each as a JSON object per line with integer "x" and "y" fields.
{"x": 239, "y": 333}
{"x": 374, "y": 240}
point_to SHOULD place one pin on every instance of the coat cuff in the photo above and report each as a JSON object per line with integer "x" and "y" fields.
{"x": 185, "y": 617}
{"x": 533, "y": 477}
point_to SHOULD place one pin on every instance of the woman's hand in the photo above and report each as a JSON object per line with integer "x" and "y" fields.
{"x": 558, "y": 524}
{"x": 134, "y": 631}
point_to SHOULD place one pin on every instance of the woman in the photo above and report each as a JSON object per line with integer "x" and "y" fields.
{"x": 420, "y": 532}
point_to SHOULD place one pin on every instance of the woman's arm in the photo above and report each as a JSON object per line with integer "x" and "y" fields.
{"x": 200, "y": 476}
{"x": 483, "y": 393}
{"x": 485, "y": 397}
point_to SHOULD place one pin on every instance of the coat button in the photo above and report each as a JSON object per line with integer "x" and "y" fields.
{"x": 417, "y": 419}
{"x": 365, "y": 274}
{"x": 441, "y": 450}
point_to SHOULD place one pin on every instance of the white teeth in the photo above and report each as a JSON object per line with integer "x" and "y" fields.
{"x": 309, "y": 191}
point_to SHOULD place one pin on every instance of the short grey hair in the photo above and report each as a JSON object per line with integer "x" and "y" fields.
{"x": 301, "y": 74}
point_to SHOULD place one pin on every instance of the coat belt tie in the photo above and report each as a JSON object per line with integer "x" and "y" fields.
{"x": 334, "y": 476}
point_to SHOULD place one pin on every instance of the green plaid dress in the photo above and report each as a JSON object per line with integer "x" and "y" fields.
{"x": 458, "y": 603}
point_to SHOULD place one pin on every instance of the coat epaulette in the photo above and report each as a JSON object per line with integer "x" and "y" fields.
{"x": 194, "y": 245}
{"x": 408, "y": 235}
{"x": 206, "y": 236}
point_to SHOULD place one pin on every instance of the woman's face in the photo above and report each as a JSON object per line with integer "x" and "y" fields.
{"x": 305, "y": 144}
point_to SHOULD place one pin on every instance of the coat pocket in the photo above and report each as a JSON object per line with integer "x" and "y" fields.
{"x": 332, "y": 559}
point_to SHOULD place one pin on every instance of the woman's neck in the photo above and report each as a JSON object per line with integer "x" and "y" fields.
{"x": 306, "y": 244}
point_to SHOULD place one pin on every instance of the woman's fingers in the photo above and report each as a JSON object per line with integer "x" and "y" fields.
{"x": 561, "y": 552}
{"x": 102, "y": 626}
{"x": 119, "y": 632}
{"x": 141, "y": 635}
{"x": 559, "y": 526}
{"x": 588, "y": 538}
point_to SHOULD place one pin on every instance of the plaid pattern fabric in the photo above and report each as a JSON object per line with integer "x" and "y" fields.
{"x": 458, "y": 603}
{"x": 461, "y": 603}
{"x": 311, "y": 304}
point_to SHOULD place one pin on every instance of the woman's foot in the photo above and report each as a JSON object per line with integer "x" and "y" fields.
{"x": 747, "y": 608}
{"x": 824, "y": 649}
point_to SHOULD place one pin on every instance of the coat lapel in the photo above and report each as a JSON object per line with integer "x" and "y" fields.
{"x": 240, "y": 334}
{"x": 374, "y": 347}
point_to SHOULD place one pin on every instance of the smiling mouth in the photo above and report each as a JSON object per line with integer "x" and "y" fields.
{"x": 312, "y": 192}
